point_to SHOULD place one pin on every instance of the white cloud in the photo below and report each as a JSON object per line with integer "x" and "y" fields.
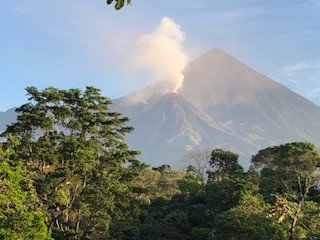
{"x": 295, "y": 67}
{"x": 162, "y": 52}
{"x": 315, "y": 65}
{"x": 302, "y": 77}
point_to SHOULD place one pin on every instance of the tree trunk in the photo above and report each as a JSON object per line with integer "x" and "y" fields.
{"x": 294, "y": 221}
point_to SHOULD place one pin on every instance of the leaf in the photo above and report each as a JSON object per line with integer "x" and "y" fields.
{"x": 119, "y": 4}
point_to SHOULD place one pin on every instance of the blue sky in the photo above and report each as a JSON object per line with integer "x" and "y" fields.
{"x": 77, "y": 43}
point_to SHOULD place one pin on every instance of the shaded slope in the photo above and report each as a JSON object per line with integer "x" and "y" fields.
{"x": 171, "y": 126}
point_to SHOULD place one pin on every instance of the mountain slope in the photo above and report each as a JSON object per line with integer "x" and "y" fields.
{"x": 254, "y": 105}
{"x": 252, "y": 109}
{"x": 171, "y": 126}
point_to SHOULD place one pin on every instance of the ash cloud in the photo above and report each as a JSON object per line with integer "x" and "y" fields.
{"x": 161, "y": 52}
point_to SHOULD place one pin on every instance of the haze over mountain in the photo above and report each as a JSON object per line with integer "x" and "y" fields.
{"x": 7, "y": 117}
{"x": 222, "y": 103}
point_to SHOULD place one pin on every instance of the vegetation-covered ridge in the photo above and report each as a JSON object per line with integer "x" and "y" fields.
{"x": 66, "y": 172}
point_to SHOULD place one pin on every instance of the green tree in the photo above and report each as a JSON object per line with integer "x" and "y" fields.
{"x": 241, "y": 224}
{"x": 222, "y": 196}
{"x": 289, "y": 172}
{"x": 20, "y": 215}
{"x": 248, "y": 220}
{"x": 192, "y": 182}
{"x": 224, "y": 164}
{"x": 160, "y": 182}
{"x": 73, "y": 150}
{"x": 119, "y": 3}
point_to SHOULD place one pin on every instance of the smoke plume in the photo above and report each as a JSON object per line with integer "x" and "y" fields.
{"x": 161, "y": 52}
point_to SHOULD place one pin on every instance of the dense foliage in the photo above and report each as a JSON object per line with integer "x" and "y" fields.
{"x": 72, "y": 150}
{"x": 67, "y": 173}
{"x": 20, "y": 214}
{"x": 278, "y": 198}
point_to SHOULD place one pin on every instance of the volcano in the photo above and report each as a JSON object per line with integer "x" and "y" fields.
{"x": 222, "y": 103}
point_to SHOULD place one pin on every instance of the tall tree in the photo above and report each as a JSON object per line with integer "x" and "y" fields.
{"x": 73, "y": 150}
{"x": 289, "y": 171}
{"x": 160, "y": 182}
{"x": 224, "y": 164}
